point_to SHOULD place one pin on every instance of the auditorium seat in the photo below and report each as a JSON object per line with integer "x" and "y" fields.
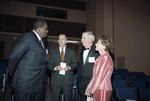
{"x": 144, "y": 78}
{"x": 137, "y": 84}
{"x": 138, "y": 73}
{"x": 130, "y": 77}
{"x": 122, "y": 70}
{"x": 117, "y": 77}
{"x": 144, "y": 93}
{"x": 126, "y": 93}
{"x": 119, "y": 83}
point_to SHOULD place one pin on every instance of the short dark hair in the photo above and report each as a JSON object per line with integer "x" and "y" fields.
{"x": 63, "y": 34}
{"x": 38, "y": 23}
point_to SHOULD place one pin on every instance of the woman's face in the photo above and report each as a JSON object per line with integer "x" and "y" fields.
{"x": 99, "y": 46}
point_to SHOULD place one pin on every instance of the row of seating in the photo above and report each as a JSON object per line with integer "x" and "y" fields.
{"x": 130, "y": 86}
{"x": 131, "y": 77}
{"x": 129, "y": 93}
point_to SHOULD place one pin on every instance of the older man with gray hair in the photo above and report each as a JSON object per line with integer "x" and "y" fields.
{"x": 87, "y": 58}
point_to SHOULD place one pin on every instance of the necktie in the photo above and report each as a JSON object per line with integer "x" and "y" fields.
{"x": 42, "y": 43}
{"x": 62, "y": 55}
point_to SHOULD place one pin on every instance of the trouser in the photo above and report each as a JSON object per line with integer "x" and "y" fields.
{"x": 65, "y": 89}
{"x": 82, "y": 87}
{"x": 29, "y": 96}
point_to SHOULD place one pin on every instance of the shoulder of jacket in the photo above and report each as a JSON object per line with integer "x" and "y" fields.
{"x": 69, "y": 49}
{"x": 54, "y": 50}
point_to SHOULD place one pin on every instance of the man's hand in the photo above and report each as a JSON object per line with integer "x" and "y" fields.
{"x": 66, "y": 68}
{"x": 59, "y": 68}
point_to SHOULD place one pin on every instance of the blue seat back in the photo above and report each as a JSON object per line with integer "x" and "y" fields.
{"x": 137, "y": 83}
{"x": 126, "y": 93}
{"x": 144, "y": 93}
{"x": 130, "y": 77}
{"x": 120, "y": 83}
{"x": 117, "y": 76}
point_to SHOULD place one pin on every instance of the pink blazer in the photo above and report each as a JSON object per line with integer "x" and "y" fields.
{"x": 102, "y": 72}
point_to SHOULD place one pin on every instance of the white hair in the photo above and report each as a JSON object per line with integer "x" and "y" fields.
{"x": 89, "y": 35}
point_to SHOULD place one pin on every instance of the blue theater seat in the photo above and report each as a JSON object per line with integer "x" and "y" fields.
{"x": 117, "y": 77}
{"x": 138, "y": 73}
{"x": 144, "y": 78}
{"x": 130, "y": 77}
{"x": 119, "y": 83}
{"x": 144, "y": 93}
{"x": 149, "y": 84}
{"x": 137, "y": 83}
{"x": 126, "y": 93}
{"x": 122, "y": 70}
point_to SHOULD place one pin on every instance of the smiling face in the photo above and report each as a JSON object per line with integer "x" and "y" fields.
{"x": 62, "y": 41}
{"x": 99, "y": 46}
{"x": 86, "y": 42}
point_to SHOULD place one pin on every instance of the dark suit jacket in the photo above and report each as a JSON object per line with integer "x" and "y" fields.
{"x": 27, "y": 64}
{"x": 55, "y": 59}
{"x": 85, "y": 72}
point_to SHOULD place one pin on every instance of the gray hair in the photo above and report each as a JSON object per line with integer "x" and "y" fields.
{"x": 89, "y": 35}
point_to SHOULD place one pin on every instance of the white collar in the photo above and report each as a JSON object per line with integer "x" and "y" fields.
{"x": 37, "y": 35}
{"x": 61, "y": 48}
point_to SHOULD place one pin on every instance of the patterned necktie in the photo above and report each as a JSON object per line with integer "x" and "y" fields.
{"x": 62, "y": 55}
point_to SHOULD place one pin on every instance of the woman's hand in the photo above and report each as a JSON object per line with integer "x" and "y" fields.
{"x": 87, "y": 91}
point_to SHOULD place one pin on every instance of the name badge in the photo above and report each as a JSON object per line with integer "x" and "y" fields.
{"x": 63, "y": 65}
{"x": 91, "y": 59}
{"x": 62, "y": 72}
{"x": 46, "y": 51}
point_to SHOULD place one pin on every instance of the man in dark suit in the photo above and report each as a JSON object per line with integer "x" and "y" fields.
{"x": 87, "y": 58}
{"x": 62, "y": 69}
{"x": 27, "y": 64}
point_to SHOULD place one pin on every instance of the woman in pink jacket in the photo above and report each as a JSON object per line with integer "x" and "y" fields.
{"x": 100, "y": 84}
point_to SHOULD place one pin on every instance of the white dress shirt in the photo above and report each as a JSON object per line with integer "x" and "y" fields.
{"x": 85, "y": 53}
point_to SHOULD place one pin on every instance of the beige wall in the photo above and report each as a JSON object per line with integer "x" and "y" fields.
{"x": 132, "y": 33}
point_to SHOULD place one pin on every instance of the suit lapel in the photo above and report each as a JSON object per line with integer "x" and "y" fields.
{"x": 66, "y": 54}
{"x": 82, "y": 56}
{"x": 58, "y": 54}
{"x": 39, "y": 43}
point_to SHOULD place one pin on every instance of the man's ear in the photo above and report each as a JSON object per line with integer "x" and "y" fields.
{"x": 39, "y": 29}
